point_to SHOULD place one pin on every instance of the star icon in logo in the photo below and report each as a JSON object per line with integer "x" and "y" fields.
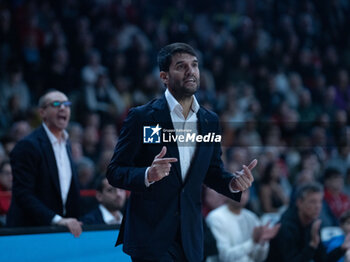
{"x": 156, "y": 130}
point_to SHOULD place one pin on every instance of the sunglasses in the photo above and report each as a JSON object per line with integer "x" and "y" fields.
{"x": 57, "y": 104}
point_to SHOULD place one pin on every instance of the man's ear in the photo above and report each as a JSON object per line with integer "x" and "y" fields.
{"x": 164, "y": 76}
{"x": 41, "y": 112}
{"x": 99, "y": 196}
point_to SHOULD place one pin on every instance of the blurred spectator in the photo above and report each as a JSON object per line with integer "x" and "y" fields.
{"x": 298, "y": 238}
{"x": 45, "y": 184}
{"x": 334, "y": 194}
{"x": 14, "y": 92}
{"x": 93, "y": 69}
{"x": 86, "y": 173}
{"x": 239, "y": 233}
{"x": 104, "y": 99}
{"x": 211, "y": 200}
{"x": 337, "y": 241}
{"x": 90, "y": 143}
{"x": 20, "y": 129}
{"x": 342, "y": 90}
{"x": 111, "y": 203}
{"x": 5, "y": 187}
{"x": 272, "y": 195}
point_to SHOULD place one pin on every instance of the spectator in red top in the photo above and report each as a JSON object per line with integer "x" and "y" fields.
{"x": 334, "y": 194}
{"x": 5, "y": 186}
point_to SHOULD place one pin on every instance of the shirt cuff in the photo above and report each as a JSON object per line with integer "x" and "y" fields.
{"x": 55, "y": 219}
{"x": 146, "y": 180}
{"x": 229, "y": 186}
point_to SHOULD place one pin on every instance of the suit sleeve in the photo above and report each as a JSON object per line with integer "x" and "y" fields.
{"x": 25, "y": 159}
{"x": 123, "y": 170}
{"x": 217, "y": 177}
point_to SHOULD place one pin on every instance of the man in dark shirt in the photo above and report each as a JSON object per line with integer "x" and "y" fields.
{"x": 298, "y": 239}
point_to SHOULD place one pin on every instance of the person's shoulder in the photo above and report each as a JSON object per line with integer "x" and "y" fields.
{"x": 31, "y": 140}
{"x": 145, "y": 107}
{"x": 93, "y": 217}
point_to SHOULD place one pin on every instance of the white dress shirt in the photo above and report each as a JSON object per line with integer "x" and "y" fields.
{"x": 63, "y": 166}
{"x": 108, "y": 217}
{"x": 183, "y": 126}
{"x": 233, "y": 234}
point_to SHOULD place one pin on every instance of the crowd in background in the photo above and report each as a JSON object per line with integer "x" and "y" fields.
{"x": 276, "y": 73}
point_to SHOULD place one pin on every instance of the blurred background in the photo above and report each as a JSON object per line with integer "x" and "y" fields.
{"x": 276, "y": 73}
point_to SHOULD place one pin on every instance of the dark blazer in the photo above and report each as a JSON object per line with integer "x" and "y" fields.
{"x": 94, "y": 217}
{"x": 154, "y": 214}
{"x": 36, "y": 193}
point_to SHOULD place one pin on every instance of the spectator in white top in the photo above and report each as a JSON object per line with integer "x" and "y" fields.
{"x": 240, "y": 237}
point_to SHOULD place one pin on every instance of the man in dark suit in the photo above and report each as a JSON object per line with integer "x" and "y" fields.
{"x": 163, "y": 220}
{"x": 111, "y": 201}
{"x": 45, "y": 186}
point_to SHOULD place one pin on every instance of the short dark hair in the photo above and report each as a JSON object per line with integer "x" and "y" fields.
{"x": 99, "y": 184}
{"x": 332, "y": 172}
{"x": 313, "y": 187}
{"x": 167, "y": 52}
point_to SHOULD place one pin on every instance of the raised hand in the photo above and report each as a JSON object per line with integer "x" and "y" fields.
{"x": 244, "y": 178}
{"x": 160, "y": 167}
{"x": 269, "y": 232}
{"x": 346, "y": 243}
{"x": 315, "y": 236}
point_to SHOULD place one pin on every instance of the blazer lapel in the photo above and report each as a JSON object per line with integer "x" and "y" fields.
{"x": 50, "y": 158}
{"x": 203, "y": 129}
{"x": 162, "y": 116}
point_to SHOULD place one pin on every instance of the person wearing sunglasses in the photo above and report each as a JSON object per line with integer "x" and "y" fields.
{"x": 45, "y": 183}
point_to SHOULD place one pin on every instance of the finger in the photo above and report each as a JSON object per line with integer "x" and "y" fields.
{"x": 248, "y": 174}
{"x": 242, "y": 183}
{"x": 245, "y": 181}
{"x": 252, "y": 164}
{"x": 165, "y": 160}
{"x": 162, "y": 153}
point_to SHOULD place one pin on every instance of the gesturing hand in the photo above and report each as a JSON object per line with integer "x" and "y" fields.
{"x": 244, "y": 178}
{"x": 160, "y": 166}
{"x": 315, "y": 236}
{"x": 262, "y": 234}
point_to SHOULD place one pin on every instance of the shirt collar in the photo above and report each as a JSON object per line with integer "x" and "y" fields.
{"x": 107, "y": 216}
{"x": 52, "y": 137}
{"x": 173, "y": 103}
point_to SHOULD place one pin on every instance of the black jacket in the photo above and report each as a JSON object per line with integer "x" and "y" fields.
{"x": 36, "y": 193}
{"x": 292, "y": 243}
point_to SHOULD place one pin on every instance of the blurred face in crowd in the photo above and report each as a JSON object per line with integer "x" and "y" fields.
{"x": 6, "y": 177}
{"x": 182, "y": 79}
{"x": 335, "y": 184}
{"x": 110, "y": 197}
{"x": 309, "y": 207}
{"x": 55, "y": 112}
{"x": 346, "y": 226}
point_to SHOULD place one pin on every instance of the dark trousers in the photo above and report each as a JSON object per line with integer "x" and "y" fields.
{"x": 174, "y": 254}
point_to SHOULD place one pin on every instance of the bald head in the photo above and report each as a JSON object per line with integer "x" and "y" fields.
{"x": 48, "y": 97}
